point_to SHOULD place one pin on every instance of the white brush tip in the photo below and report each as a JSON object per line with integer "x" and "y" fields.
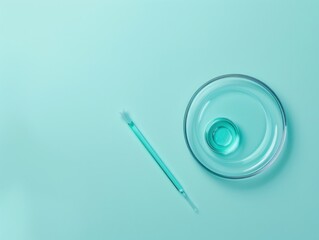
{"x": 126, "y": 117}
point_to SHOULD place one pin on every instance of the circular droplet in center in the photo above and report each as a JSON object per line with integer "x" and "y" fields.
{"x": 222, "y": 135}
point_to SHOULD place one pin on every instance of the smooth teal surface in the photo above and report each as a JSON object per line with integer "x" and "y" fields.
{"x": 70, "y": 168}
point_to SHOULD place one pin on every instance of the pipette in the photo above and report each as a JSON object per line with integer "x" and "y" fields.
{"x": 126, "y": 117}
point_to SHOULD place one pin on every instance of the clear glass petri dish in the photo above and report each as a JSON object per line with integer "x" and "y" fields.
{"x": 235, "y": 126}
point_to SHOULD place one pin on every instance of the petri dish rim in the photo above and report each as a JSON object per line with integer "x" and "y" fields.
{"x": 279, "y": 104}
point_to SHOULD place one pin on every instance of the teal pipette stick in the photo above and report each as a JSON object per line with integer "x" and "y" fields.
{"x": 126, "y": 117}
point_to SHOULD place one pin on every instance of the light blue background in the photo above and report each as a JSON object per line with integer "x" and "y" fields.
{"x": 71, "y": 169}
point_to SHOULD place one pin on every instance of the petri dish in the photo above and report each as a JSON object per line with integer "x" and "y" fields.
{"x": 235, "y": 126}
